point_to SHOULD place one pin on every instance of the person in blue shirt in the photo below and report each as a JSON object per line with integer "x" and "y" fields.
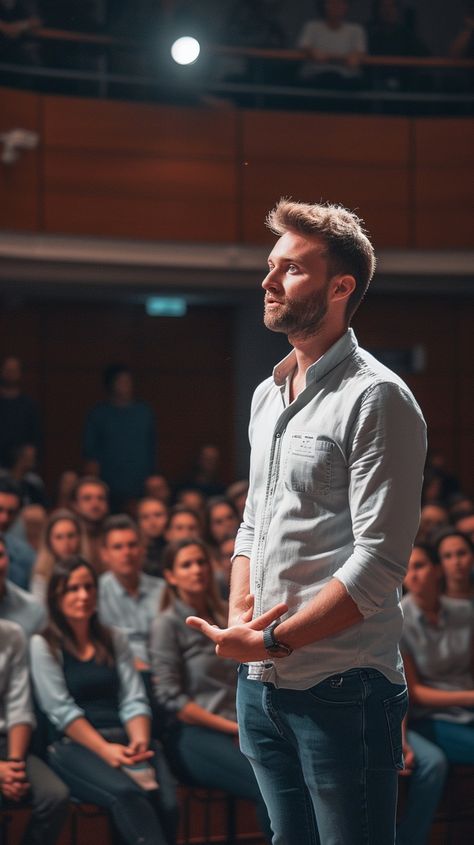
{"x": 120, "y": 438}
{"x": 20, "y": 554}
{"x": 86, "y": 683}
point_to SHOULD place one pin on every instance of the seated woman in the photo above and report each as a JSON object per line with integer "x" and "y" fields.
{"x": 63, "y": 537}
{"x": 437, "y": 649}
{"x": 23, "y": 776}
{"x": 194, "y": 686}
{"x": 456, "y": 555}
{"x": 86, "y": 683}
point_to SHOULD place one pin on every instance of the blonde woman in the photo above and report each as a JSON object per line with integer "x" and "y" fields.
{"x": 63, "y": 537}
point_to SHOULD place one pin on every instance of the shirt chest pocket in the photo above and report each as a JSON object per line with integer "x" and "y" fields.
{"x": 308, "y": 463}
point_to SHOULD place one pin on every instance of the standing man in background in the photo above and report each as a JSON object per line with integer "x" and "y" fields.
{"x": 120, "y": 439}
{"x": 338, "y": 448}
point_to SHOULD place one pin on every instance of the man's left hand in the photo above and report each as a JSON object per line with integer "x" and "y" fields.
{"x": 243, "y": 642}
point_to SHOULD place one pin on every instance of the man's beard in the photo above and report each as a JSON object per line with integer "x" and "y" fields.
{"x": 299, "y": 319}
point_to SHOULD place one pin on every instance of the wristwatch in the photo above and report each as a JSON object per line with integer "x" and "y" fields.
{"x": 274, "y": 647}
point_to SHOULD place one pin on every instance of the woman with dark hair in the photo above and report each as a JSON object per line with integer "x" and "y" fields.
{"x": 63, "y": 537}
{"x": 87, "y": 686}
{"x": 195, "y": 686}
{"x": 437, "y": 646}
{"x": 456, "y": 555}
{"x": 222, "y": 520}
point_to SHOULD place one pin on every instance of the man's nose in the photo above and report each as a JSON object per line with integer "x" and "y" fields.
{"x": 271, "y": 280}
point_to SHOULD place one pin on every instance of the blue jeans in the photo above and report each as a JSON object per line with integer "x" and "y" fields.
{"x": 425, "y": 785}
{"x": 143, "y": 818}
{"x": 209, "y": 758}
{"x": 326, "y": 758}
{"x": 456, "y": 740}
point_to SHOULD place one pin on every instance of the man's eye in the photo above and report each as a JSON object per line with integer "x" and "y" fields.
{"x": 292, "y": 268}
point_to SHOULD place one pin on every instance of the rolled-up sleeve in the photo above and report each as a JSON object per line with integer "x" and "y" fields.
{"x": 17, "y": 705}
{"x": 133, "y": 699}
{"x": 50, "y": 686}
{"x": 387, "y": 455}
{"x": 167, "y": 665}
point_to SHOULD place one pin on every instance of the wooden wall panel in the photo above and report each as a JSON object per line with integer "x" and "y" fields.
{"x": 111, "y": 168}
{"x": 137, "y": 197}
{"x": 139, "y": 171}
{"x": 20, "y": 187}
{"x": 444, "y": 175}
{"x": 361, "y": 162}
{"x": 124, "y": 127}
{"x": 293, "y": 136}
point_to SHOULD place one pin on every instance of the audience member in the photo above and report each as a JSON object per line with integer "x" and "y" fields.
{"x": 437, "y": 649}
{"x": 120, "y": 438}
{"x": 128, "y": 598}
{"x": 63, "y": 536}
{"x": 462, "y": 46}
{"x": 253, "y": 23}
{"x": 183, "y": 522}
{"x": 194, "y": 499}
{"x": 334, "y": 46}
{"x": 19, "y": 417}
{"x": 16, "y": 605}
{"x": 195, "y": 686}
{"x": 465, "y": 523}
{"x": 205, "y": 476}
{"x": 90, "y": 501}
{"x": 23, "y": 776}
{"x": 433, "y": 517}
{"x": 152, "y": 516}
{"x": 32, "y": 519}
{"x": 456, "y": 555}
{"x": 66, "y": 484}
{"x": 222, "y": 564}
{"x": 237, "y": 493}
{"x": 87, "y": 685}
{"x": 390, "y": 34}
{"x": 21, "y": 468}
{"x": 221, "y": 520}
{"x": 157, "y": 487}
{"x": 426, "y": 768}
{"x": 21, "y": 555}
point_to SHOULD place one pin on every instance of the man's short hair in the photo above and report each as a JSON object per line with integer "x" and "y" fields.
{"x": 89, "y": 479}
{"x": 348, "y": 249}
{"x": 119, "y": 522}
{"x": 9, "y": 486}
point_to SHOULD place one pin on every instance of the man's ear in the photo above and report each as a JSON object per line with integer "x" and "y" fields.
{"x": 342, "y": 287}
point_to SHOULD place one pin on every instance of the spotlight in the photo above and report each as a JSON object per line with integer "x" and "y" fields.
{"x": 185, "y": 50}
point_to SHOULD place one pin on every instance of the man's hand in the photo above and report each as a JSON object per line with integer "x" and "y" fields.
{"x": 13, "y": 782}
{"x": 244, "y": 641}
{"x": 409, "y": 758}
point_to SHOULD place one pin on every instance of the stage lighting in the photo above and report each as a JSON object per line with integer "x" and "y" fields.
{"x": 185, "y": 50}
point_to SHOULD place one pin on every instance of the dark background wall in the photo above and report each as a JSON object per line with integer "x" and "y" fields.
{"x": 199, "y": 371}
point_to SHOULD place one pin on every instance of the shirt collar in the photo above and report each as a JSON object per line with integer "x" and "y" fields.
{"x": 315, "y": 372}
{"x": 122, "y": 591}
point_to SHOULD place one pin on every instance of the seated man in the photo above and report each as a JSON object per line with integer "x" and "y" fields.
{"x": 152, "y": 517}
{"x": 90, "y": 501}
{"x": 16, "y": 604}
{"x": 21, "y": 555}
{"x": 24, "y": 776}
{"x": 335, "y": 48}
{"x": 128, "y": 598}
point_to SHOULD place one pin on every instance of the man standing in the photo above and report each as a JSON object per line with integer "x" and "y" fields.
{"x": 338, "y": 448}
{"x": 120, "y": 439}
{"x": 19, "y": 417}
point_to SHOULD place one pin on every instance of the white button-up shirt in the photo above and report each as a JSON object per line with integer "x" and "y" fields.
{"x": 335, "y": 486}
